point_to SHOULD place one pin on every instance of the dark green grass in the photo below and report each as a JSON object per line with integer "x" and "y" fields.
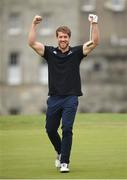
{"x": 99, "y": 148}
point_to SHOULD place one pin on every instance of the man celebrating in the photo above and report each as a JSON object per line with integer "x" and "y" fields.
{"x": 64, "y": 84}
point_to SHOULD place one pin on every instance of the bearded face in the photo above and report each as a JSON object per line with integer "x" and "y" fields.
{"x": 63, "y": 40}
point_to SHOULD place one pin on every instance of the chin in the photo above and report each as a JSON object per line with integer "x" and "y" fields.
{"x": 63, "y": 47}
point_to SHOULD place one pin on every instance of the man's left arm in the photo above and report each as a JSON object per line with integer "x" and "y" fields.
{"x": 95, "y": 35}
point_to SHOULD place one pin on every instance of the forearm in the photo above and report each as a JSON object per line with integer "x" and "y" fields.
{"x": 94, "y": 37}
{"x": 33, "y": 43}
{"x": 95, "y": 34}
{"x": 32, "y": 35}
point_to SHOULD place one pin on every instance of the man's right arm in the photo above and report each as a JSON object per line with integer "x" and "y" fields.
{"x": 33, "y": 43}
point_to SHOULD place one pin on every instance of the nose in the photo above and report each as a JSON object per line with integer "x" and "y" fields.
{"x": 62, "y": 39}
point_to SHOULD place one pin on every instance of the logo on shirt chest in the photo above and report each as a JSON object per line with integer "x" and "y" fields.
{"x": 55, "y": 52}
{"x": 70, "y": 52}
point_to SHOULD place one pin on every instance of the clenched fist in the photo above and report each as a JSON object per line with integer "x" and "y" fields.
{"x": 37, "y": 19}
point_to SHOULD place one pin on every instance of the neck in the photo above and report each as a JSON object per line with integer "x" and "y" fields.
{"x": 64, "y": 50}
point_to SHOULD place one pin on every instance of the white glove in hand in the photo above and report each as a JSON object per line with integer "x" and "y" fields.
{"x": 93, "y": 18}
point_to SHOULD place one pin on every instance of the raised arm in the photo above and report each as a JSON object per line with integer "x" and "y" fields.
{"x": 33, "y": 43}
{"x": 94, "y": 35}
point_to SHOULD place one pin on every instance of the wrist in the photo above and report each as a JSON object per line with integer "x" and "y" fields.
{"x": 94, "y": 22}
{"x": 34, "y": 24}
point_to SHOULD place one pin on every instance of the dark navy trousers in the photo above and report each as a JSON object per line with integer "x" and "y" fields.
{"x": 61, "y": 110}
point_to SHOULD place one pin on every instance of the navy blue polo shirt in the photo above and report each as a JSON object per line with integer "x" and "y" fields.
{"x": 64, "y": 70}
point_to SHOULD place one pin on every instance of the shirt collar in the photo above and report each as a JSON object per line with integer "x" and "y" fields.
{"x": 59, "y": 51}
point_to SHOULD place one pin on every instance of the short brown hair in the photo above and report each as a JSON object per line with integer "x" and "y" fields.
{"x": 63, "y": 29}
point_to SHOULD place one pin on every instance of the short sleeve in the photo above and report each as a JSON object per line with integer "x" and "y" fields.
{"x": 48, "y": 51}
{"x": 79, "y": 50}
